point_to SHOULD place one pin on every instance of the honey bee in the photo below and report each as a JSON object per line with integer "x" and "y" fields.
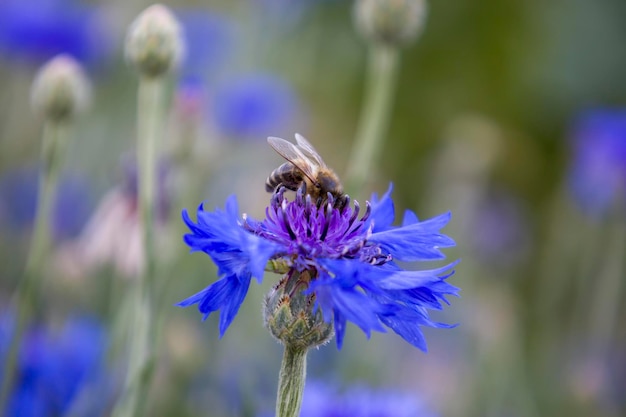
{"x": 305, "y": 167}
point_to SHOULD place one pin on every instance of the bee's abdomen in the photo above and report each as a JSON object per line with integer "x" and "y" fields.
{"x": 286, "y": 175}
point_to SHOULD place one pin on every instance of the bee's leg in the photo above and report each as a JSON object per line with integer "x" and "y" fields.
{"x": 279, "y": 192}
{"x": 342, "y": 202}
{"x": 301, "y": 192}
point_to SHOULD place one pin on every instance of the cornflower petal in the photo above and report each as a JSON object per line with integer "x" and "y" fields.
{"x": 406, "y": 323}
{"x": 226, "y": 294}
{"x": 233, "y": 249}
{"x": 428, "y": 296}
{"x": 408, "y": 328}
{"x": 348, "y": 302}
{"x": 415, "y": 242}
{"x": 382, "y": 211}
{"x": 414, "y": 279}
{"x": 398, "y": 298}
{"x": 409, "y": 218}
{"x": 340, "y": 328}
{"x": 238, "y": 254}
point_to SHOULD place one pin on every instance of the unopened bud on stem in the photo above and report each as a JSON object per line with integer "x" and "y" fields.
{"x": 390, "y": 22}
{"x": 60, "y": 89}
{"x": 154, "y": 42}
{"x": 290, "y": 316}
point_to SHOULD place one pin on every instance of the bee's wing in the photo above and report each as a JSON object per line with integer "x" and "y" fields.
{"x": 309, "y": 149}
{"x": 291, "y": 153}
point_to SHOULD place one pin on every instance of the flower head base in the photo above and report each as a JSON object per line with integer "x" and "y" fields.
{"x": 344, "y": 262}
{"x": 290, "y": 313}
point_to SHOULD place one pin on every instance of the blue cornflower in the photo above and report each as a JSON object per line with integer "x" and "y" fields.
{"x": 324, "y": 400}
{"x": 209, "y": 37}
{"x": 499, "y": 232}
{"x": 350, "y": 260}
{"x": 253, "y": 106}
{"x": 59, "y": 372}
{"x": 598, "y": 170}
{"x": 40, "y": 29}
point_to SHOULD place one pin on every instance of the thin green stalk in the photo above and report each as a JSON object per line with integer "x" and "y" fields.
{"x": 142, "y": 356}
{"x": 609, "y": 287}
{"x": 375, "y": 114}
{"x": 149, "y": 129}
{"x": 52, "y": 150}
{"x": 291, "y": 382}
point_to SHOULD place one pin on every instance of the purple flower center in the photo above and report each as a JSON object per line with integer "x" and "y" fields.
{"x": 309, "y": 232}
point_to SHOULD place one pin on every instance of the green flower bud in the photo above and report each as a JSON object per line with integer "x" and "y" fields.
{"x": 390, "y": 22}
{"x": 289, "y": 314}
{"x": 277, "y": 266}
{"x": 154, "y": 42}
{"x": 60, "y": 89}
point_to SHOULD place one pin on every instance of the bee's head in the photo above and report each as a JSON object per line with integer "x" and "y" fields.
{"x": 328, "y": 182}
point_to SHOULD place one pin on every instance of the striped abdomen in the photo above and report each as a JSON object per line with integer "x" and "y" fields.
{"x": 286, "y": 175}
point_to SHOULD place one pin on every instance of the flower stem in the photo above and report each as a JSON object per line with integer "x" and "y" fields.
{"x": 374, "y": 119}
{"x": 291, "y": 382}
{"x": 52, "y": 151}
{"x": 142, "y": 357}
{"x": 149, "y": 129}
{"x": 604, "y": 311}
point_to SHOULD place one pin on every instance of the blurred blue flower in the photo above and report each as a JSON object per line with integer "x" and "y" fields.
{"x": 18, "y": 201}
{"x": 352, "y": 261}
{"x": 324, "y": 400}
{"x": 500, "y": 232}
{"x": 37, "y": 30}
{"x": 57, "y": 368}
{"x": 209, "y": 37}
{"x": 253, "y": 106}
{"x": 598, "y": 168}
